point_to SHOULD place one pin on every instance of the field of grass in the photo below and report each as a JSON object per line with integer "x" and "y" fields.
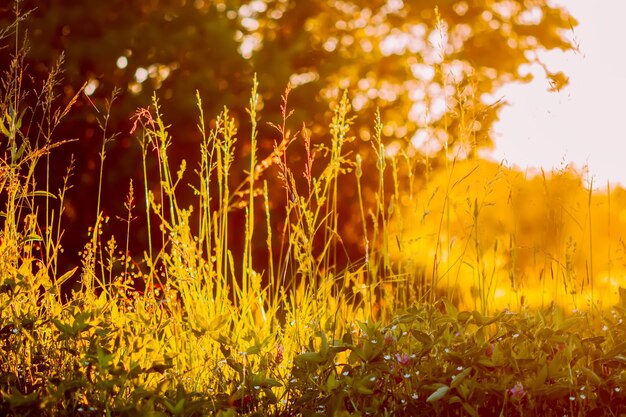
{"x": 481, "y": 292}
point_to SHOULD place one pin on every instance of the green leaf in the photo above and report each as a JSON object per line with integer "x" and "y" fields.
{"x": 470, "y": 410}
{"x": 438, "y": 394}
{"x": 19, "y": 152}
{"x": 592, "y": 376}
{"x": 455, "y": 400}
{"x": 3, "y": 129}
{"x": 64, "y": 328}
{"x": 104, "y": 358}
{"x": 175, "y": 409}
{"x": 271, "y": 382}
{"x": 311, "y": 357}
{"x": 159, "y": 367}
{"x": 230, "y": 412}
{"x": 463, "y": 316}
{"x": 324, "y": 346}
{"x": 480, "y": 337}
{"x": 118, "y": 370}
{"x": 364, "y": 385}
{"x": 18, "y": 400}
{"x": 596, "y": 340}
{"x": 569, "y": 323}
{"x": 422, "y": 337}
{"x": 542, "y": 375}
{"x": 218, "y": 322}
{"x": 405, "y": 318}
{"x": 450, "y": 308}
{"x": 253, "y": 350}
{"x": 622, "y": 295}
{"x": 66, "y": 276}
{"x": 460, "y": 377}
{"x": 617, "y": 350}
{"x": 331, "y": 382}
{"x": 40, "y": 193}
{"x": 490, "y": 320}
{"x": 271, "y": 397}
{"x": 371, "y": 351}
{"x": 478, "y": 318}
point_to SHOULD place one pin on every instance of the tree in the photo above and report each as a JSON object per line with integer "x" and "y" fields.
{"x": 426, "y": 65}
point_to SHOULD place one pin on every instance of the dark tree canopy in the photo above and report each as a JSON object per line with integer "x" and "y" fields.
{"x": 425, "y": 64}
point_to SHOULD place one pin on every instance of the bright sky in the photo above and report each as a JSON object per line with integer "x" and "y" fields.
{"x": 583, "y": 123}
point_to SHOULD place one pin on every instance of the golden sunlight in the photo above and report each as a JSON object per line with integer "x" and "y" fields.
{"x": 579, "y": 124}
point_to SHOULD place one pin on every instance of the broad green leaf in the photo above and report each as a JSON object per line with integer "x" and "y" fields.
{"x": 463, "y": 316}
{"x": 311, "y": 357}
{"x": 331, "y": 382}
{"x": 478, "y": 318}
{"x": 480, "y": 337}
{"x": 422, "y": 337}
{"x": 271, "y": 397}
{"x": 460, "y": 377}
{"x": 438, "y": 394}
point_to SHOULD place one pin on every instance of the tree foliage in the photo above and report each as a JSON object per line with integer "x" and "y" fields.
{"x": 427, "y": 65}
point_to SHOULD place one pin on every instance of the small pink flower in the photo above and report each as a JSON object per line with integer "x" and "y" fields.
{"x": 280, "y": 350}
{"x": 490, "y": 349}
{"x": 403, "y": 359}
{"x": 389, "y": 339}
{"x": 517, "y": 392}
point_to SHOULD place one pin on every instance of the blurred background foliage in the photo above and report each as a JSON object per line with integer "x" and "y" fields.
{"x": 512, "y": 238}
{"x": 430, "y": 66}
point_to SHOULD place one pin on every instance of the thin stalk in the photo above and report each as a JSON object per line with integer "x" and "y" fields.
{"x": 247, "y": 252}
{"x": 359, "y": 173}
{"x": 105, "y": 140}
{"x": 608, "y": 231}
{"x": 146, "y": 189}
{"x": 589, "y": 215}
{"x": 270, "y": 252}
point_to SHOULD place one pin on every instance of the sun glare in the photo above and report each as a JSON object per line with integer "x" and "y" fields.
{"x": 575, "y": 125}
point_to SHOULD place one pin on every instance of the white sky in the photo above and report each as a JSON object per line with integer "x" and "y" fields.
{"x": 583, "y": 123}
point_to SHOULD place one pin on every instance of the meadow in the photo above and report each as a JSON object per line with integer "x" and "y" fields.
{"x": 482, "y": 290}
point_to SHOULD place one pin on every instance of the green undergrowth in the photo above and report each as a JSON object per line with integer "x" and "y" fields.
{"x": 86, "y": 358}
